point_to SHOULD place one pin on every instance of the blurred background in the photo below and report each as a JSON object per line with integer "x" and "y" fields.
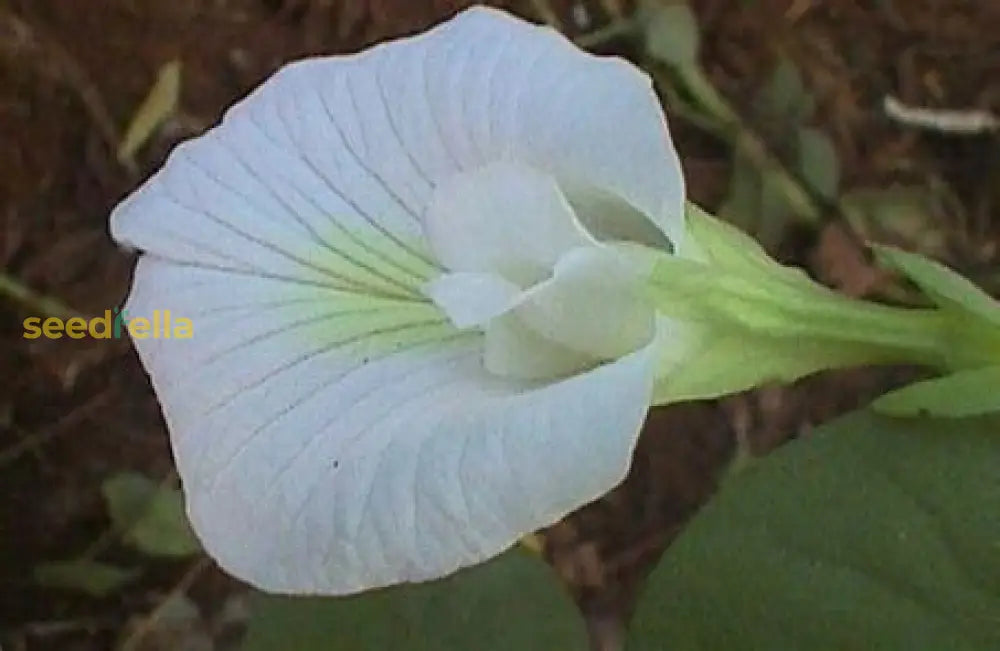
{"x": 816, "y": 126}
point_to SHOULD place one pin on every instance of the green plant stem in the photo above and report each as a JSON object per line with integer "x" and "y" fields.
{"x": 939, "y": 338}
{"x": 729, "y": 126}
{"x": 611, "y": 31}
{"x": 891, "y": 334}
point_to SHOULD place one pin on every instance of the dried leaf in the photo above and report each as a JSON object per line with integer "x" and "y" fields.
{"x": 160, "y": 104}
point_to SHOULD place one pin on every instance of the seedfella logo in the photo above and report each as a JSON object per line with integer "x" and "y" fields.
{"x": 112, "y": 325}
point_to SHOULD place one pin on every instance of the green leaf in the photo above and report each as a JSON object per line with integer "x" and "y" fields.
{"x": 944, "y": 286}
{"x": 900, "y": 213}
{"x": 671, "y": 32}
{"x": 511, "y": 602}
{"x": 151, "y": 516}
{"x": 785, "y": 97}
{"x": 970, "y": 392}
{"x": 871, "y": 533}
{"x": 818, "y": 162}
{"x": 90, "y": 577}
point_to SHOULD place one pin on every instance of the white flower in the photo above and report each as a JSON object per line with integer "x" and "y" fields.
{"x": 416, "y": 336}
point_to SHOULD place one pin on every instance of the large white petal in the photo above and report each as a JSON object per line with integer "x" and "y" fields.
{"x": 594, "y": 123}
{"x": 323, "y": 402}
{"x": 326, "y": 170}
{"x": 318, "y": 459}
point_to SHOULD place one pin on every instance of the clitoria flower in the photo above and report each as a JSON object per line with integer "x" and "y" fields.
{"x": 419, "y": 326}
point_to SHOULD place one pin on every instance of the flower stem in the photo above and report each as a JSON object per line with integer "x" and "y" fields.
{"x": 747, "y": 143}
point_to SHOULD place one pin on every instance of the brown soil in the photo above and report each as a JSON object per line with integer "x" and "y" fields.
{"x": 73, "y": 412}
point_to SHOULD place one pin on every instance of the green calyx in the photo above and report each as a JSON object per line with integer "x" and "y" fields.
{"x": 742, "y": 320}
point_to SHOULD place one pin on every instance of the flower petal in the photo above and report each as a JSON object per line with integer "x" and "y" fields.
{"x": 333, "y": 431}
{"x": 516, "y": 351}
{"x": 504, "y": 218}
{"x": 528, "y": 94}
{"x": 330, "y": 460}
{"x": 608, "y": 218}
{"x": 341, "y": 154}
{"x": 471, "y": 299}
{"x": 593, "y": 303}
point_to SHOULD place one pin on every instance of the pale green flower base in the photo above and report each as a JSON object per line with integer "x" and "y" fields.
{"x": 746, "y": 320}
